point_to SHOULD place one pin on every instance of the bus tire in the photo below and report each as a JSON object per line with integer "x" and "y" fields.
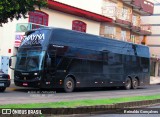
{"x": 2, "y": 89}
{"x": 69, "y": 84}
{"x": 128, "y": 84}
{"x": 134, "y": 83}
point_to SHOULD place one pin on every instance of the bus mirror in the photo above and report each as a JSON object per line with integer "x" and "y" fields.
{"x": 10, "y": 63}
{"x": 48, "y": 62}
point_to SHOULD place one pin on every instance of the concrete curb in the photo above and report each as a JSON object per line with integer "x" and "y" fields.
{"x": 103, "y": 108}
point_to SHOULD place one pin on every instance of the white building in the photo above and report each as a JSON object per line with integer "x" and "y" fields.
{"x": 56, "y": 14}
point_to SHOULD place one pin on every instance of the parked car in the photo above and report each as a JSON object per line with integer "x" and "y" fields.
{"x": 4, "y": 81}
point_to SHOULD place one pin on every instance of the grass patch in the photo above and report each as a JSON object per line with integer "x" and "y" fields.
{"x": 78, "y": 103}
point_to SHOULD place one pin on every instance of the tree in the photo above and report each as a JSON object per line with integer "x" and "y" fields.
{"x": 10, "y": 9}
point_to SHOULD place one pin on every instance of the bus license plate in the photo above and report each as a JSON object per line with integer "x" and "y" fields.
{"x": 1, "y": 84}
{"x": 25, "y": 84}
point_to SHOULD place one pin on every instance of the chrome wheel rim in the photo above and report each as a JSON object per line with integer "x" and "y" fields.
{"x": 128, "y": 84}
{"x": 134, "y": 83}
{"x": 69, "y": 84}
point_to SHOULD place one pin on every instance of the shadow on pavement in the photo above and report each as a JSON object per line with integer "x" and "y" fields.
{"x": 26, "y": 89}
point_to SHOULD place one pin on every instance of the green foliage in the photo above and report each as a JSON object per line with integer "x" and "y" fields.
{"x": 10, "y": 9}
{"x": 78, "y": 103}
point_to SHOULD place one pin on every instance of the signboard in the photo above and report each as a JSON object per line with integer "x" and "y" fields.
{"x": 33, "y": 39}
{"x": 18, "y": 39}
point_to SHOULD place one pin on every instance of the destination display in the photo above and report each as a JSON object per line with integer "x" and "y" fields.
{"x": 33, "y": 39}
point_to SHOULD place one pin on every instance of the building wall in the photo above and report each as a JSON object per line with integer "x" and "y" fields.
{"x": 62, "y": 20}
{"x": 113, "y": 9}
{"x": 1, "y": 33}
{"x": 118, "y": 32}
{"x": 154, "y": 19}
{"x": 89, "y": 5}
{"x": 153, "y": 41}
{"x": 7, "y": 36}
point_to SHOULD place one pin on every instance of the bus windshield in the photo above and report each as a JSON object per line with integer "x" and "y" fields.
{"x": 30, "y": 60}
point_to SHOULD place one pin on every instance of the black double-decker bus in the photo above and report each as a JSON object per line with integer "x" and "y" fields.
{"x": 61, "y": 58}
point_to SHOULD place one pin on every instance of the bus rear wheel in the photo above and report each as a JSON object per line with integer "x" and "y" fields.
{"x": 69, "y": 85}
{"x": 134, "y": 83}
{"x": 127, "y": 84}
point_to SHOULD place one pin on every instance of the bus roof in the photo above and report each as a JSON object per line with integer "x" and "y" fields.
{"x": 93, "y": 42}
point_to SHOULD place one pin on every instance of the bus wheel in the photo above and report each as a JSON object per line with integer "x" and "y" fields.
{"x": 134, "y": 83}
{"x": 69, "y": 85}
{"x": 127, "y": 83}
{"x": 2, "y": 89}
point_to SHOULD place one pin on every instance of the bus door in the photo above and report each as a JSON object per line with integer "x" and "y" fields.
{"x": 52, "y": 56}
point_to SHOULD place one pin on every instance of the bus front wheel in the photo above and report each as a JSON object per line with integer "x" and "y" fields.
{"x": 69, "y": 85}
{"x": 127, "y": 84}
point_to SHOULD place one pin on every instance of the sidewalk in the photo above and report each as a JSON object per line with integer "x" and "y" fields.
{"x": 154, "y": 80}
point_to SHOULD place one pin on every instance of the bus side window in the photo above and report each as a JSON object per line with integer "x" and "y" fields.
{"x": 132, "y": 60}
{"x": 85, "y": 66}
{"x": 105, "y": 56}
{"x": 144, "y": 62}
{"x": 118, "y": 59}
{"x": 75, "y": 65}
{"x": 128, "y": 59}
{"x": 114, "y": 59}
{"x": 96, "y": 66}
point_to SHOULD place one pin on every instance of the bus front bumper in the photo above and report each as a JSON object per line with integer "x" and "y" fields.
{"x": 35, "y": 84}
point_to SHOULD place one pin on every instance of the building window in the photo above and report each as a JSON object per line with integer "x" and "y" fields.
{"x": 79, "y": 26}
{"x": 38, "y": 17}
{"x": 133, "y": 38}
{"x": 134, "y": 20}
{"x": 109, "y": 8}
{"x": 123, "y": 35}
{"x": 110, "y": 31}
{"x": 125, "y": 14}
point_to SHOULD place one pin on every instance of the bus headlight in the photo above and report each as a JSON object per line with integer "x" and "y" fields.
{"x": 35, "y": 74}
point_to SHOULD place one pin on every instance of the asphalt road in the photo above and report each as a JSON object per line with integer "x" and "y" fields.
{"x": 15, "y": 94}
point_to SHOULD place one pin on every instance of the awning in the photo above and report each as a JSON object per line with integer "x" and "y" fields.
{"x": 77, "y": 11}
